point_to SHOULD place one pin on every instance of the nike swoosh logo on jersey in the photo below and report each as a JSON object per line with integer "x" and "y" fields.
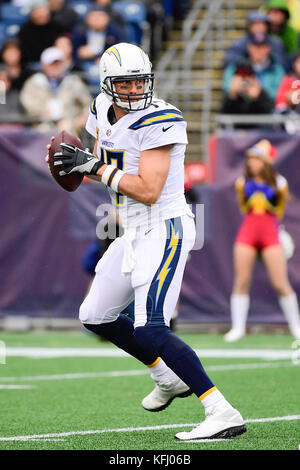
{"x": 164, "y": 129}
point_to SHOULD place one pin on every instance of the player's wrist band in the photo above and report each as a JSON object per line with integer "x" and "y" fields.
{"x": 96, "y": 167}
{"x": 111, "y": 177}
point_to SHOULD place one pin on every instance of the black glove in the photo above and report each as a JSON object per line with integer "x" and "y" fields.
{"x": 78, "y": 161}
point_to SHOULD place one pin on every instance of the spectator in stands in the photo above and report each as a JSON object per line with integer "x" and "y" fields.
{"x": 262, "y": 194}
{"x": 181, "y": 7}
{"x": 64, "y": 43}
{"x": 97, "y": 34}
{"x": 56, "y": 96}
{"x": 288, "y": 98}
{"x": 257, "y": 23}
{"x": 11, "y": 104}
{"x": 278, "y": 13}
{"x": 160, "y": 25}
{"x": 38, "y": 32}
{"x": 63, "y": 14}
{"x": 11, "y": 58}
{"x": 251, "y": 86}
{"x": 294, "y": 9}
{"x": 109, "y": 7}
{"x": 19, "y": 3}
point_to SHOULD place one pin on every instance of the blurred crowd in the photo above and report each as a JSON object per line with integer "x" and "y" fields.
{"x": 262, "y": 67}
{"x": 50, "y": 49}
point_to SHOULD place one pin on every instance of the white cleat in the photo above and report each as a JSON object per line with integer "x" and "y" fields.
{"x": 163, "y": 395}
{"x": 234, "y": 335}
{"x": 295, "y": 332}
{"x": 221, "y": 421}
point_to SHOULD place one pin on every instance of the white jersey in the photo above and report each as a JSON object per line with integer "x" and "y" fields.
{"x": 121, "y": 144}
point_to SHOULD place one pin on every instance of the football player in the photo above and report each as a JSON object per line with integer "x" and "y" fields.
{"x": 139, "y": 155}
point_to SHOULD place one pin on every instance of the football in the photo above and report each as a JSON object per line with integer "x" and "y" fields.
{"x": 67, "y": 182}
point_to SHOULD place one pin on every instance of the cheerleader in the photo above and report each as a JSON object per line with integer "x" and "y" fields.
{"x": 262, "y": 194}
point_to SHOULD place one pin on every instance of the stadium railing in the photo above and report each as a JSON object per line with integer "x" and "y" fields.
{"x": 177, "y": 64}
{"x": 229, "y": 121}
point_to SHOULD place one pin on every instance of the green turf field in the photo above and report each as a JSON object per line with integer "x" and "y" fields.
{"x": 82, "y": 402}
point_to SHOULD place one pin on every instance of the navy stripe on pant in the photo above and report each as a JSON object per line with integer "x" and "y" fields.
{"x": 165, "y": 273}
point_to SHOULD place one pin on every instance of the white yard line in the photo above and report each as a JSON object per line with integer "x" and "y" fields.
{"x": 16, "y": 387}
{"x": 128, "y": 373}
{"x": 80, "y": 375}
{"x": 253, "y": 365}
{"x": 137, "y": 429}
{"x": 49, "y": 440}
{"x": 277, "y": 418}
{"x": 45, "y": 353}
{"x": 40, "y": 353}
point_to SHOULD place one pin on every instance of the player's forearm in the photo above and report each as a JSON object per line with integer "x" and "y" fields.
{"x": 135, "y": 186}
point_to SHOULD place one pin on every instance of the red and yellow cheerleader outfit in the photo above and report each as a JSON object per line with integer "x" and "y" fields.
{"x": 263, "y": 207}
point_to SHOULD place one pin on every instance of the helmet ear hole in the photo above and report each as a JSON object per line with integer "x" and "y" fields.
{"x": 124, "y": 62}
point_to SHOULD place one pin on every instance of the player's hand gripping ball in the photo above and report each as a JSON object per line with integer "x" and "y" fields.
{"x": 71, "y": 181}
{"x": 73, "y": 160}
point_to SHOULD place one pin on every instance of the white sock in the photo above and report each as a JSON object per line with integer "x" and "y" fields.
{"x": 160, "y": 372}
{"x": 290, "y": 308}
{"x": 239, "y": 306}
{"x": 212, "y": 397}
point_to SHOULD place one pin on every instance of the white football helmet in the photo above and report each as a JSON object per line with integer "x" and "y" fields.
{"x": 126, "y": 62}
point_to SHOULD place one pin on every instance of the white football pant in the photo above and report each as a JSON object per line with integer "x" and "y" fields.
{"x": 154, "y": 284}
